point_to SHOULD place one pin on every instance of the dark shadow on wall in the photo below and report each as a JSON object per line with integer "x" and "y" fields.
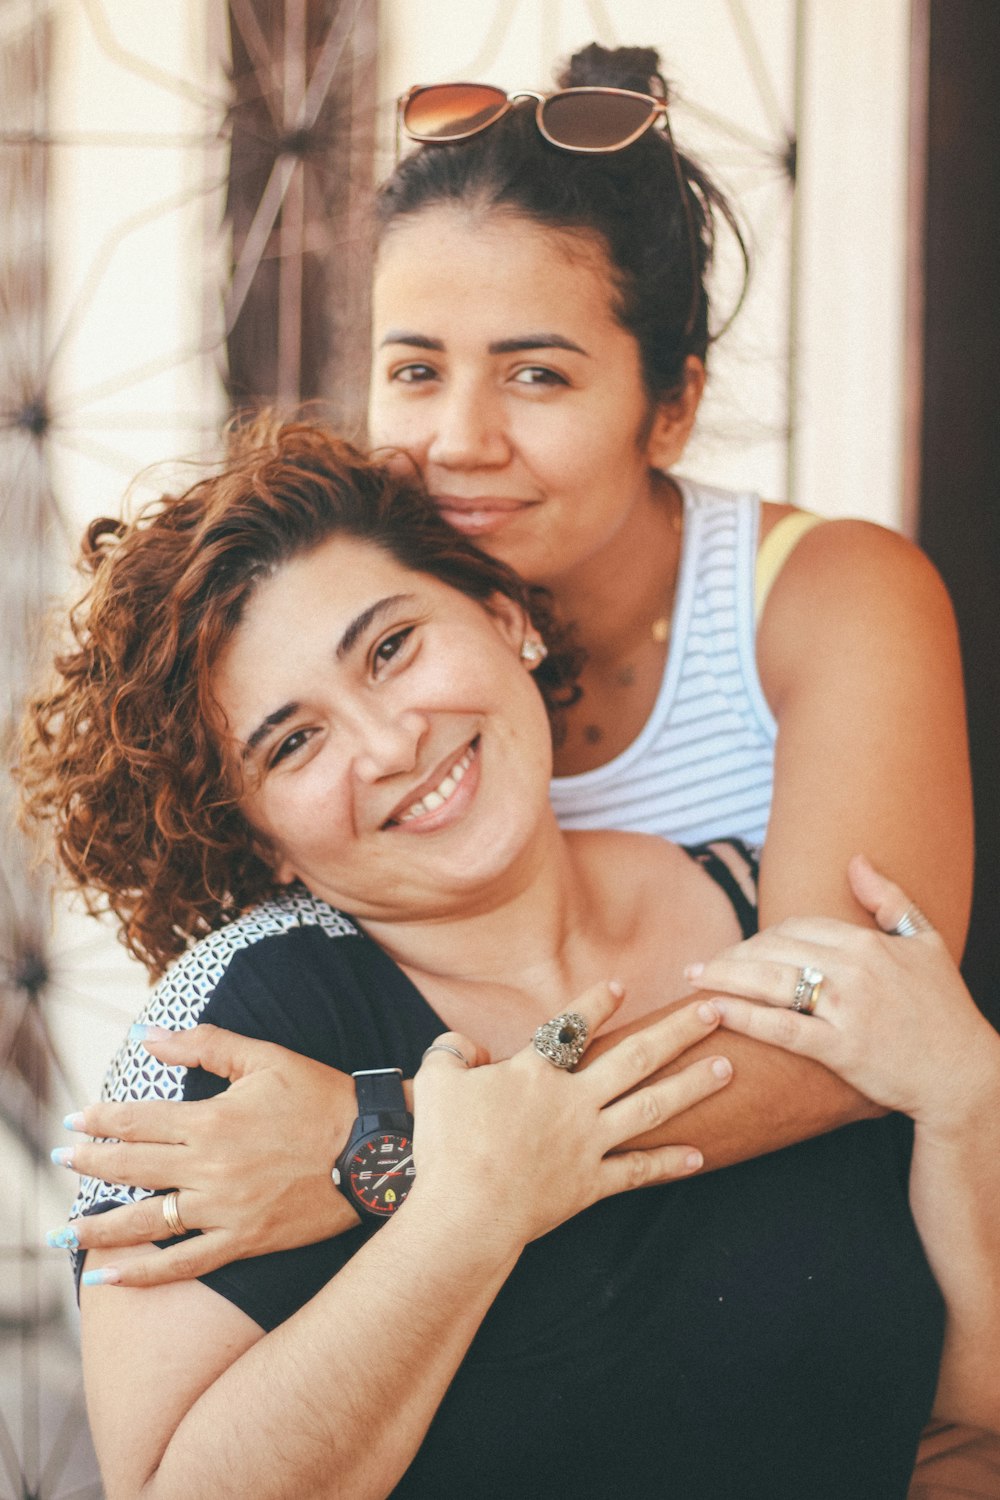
{"x": 956, "y": 54}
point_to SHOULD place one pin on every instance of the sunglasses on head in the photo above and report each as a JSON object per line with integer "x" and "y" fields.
{"x": 577, "y": 119}
{"x": 588, "y": 120}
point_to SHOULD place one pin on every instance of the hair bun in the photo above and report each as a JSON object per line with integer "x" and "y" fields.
{"x": 635, "y": 68}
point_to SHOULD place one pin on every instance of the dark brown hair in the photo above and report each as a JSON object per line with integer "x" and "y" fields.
{"x": 119, "y": 756}
{"x": 629, "y": 200}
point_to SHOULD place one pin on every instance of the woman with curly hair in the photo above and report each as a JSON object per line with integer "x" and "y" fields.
{"x": 311, "y": 708}
{"x": 123, "y": 760}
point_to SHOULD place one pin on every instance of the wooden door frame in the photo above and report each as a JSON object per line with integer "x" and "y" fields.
{"x": 952, "y": 467}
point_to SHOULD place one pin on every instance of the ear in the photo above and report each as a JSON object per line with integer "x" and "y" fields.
{"x": 673, "y": 419}
{"x": 510, "y": 619}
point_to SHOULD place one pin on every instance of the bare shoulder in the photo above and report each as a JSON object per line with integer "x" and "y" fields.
{"x": 848, "y": 587}
{"x": 629, "y": 859}
{"x": 640, "y": 876}
{"x": 847, "y": 554}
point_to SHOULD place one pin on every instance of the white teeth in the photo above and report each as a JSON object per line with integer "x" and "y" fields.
{"x": 431, "y": 801}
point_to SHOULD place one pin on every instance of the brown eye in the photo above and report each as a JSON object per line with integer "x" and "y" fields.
{"x": 417, "y": 374}
{"x": 288, "y": 746}
{"x": 537, "y": 375}
{"x": 391, "y": 645}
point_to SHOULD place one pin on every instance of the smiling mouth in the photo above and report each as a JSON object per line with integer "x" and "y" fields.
{"x": 438, "y": 795}
{"x": 484, "y": 513}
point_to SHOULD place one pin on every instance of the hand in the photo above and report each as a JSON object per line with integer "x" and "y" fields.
{"x": 517, "y": 1147}
{"x": 252, "y": 1165}
{"x": 892, "y": 1016}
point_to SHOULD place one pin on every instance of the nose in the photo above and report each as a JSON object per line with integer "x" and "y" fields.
{"x": 470, "y": 430}
{"x": 388, "y": 742}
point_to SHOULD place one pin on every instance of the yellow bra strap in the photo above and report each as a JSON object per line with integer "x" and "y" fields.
{"x": 775, "y": 550}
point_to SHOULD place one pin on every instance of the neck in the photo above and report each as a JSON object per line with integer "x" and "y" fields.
{"x": 614, "y": 597}
{"x": 523, "y": 934}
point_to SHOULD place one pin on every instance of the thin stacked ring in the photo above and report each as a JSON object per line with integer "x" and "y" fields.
{"x": 807, "y": 990}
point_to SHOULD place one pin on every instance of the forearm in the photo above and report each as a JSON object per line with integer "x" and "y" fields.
{"x": 774, "y": 1100}
{"x": 955, "y": 1197}
{"x": 338, "y": 1399}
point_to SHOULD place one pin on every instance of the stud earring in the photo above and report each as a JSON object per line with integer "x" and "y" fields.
{"x": 533, "y": 652}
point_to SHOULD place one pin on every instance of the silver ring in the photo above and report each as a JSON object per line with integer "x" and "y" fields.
{"x": 563, "y": 1039}
{"x": 171, "y": 1213}
{"x": 807, "y": 990}
{"x": 912, "y": 923}
{"x": 445, "y": 1047}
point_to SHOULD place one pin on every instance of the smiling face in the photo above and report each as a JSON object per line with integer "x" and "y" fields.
{"x": 500, "y": 366}
{"x": 395, "y": 752}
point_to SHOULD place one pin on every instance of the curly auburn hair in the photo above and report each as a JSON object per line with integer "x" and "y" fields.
{"x": 119, "y": 756}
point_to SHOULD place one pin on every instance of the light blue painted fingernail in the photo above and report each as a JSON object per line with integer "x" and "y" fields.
{"x": 141, "y": 1031}
{"x": 73, "y": 1121}
{"x": 108, "y": 1276}
{"x": 62, "y": 1239}
{"x": 62, "y": 1156}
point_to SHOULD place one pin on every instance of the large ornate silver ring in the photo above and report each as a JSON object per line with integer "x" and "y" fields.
{"x": 562, "y": 1040}
{"x": 912, "y": 923}
{"x": 171, "y": 1214}
{"x": 807, "y": 990}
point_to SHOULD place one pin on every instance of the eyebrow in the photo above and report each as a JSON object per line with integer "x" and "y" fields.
{"x": 368, "y": 617}
{"x": 355, "y": 630}
{"x": 499, "y": 346}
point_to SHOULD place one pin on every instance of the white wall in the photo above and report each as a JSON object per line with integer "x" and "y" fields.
{"x": 136, "y": 260}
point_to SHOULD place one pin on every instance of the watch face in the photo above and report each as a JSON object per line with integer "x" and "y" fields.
{"x": 380, "y": 1171}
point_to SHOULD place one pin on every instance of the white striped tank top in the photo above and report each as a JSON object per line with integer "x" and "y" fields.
{"x": 703, "y": 765}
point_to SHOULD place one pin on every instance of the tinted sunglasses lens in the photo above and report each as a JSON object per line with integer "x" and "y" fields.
{"x": 449, "y": 111}
{"x": 591, "y": 120}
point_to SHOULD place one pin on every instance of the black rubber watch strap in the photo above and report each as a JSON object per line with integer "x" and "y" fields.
{"x": 380, "y": 1092}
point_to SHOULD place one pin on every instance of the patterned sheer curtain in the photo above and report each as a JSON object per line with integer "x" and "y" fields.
{"x": 281, "y": 114}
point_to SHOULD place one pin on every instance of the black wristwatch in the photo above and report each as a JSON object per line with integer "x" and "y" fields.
{"x": 375, "y": 1169}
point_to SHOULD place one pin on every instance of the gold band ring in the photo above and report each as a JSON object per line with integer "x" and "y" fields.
{"x": 171, "y": 1214}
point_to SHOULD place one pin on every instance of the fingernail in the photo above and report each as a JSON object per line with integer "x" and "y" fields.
{"x": 73, "y": 1121}
{"x": 616, "y": 987}
{"x": 62, "y": 1239}
{"x": 693, "y": 1161}
{"x": 707, "y": 1012}
{"x": 62, "y": 1156}
{"x": 107, "y": 1276}
{"x": 722, "y": 1067}
{"x": 139, "y": 1032}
